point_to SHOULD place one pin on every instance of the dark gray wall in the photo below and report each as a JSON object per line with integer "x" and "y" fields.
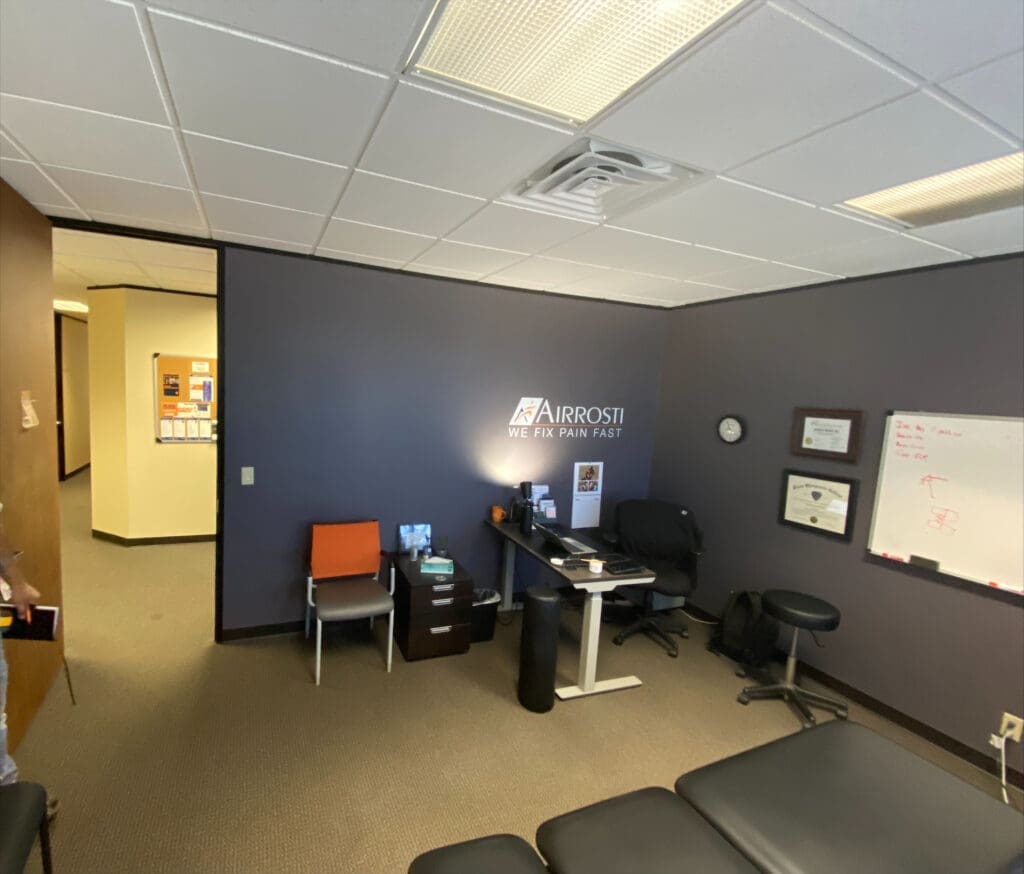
{"x": 360, "y": 393}
{"x": 943, "y": 340}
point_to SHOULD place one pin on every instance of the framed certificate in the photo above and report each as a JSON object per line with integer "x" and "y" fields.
{"x": 833, "y": 434}
{"x": 823, "y": 504}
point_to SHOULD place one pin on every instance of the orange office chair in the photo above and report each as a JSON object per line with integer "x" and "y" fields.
{"x": 344, "y": 579}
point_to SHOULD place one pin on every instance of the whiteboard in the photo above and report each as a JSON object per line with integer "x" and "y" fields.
{"x": 950, "y": 497}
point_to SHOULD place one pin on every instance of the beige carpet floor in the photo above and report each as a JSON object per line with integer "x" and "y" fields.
{"x": 184, "y": 756}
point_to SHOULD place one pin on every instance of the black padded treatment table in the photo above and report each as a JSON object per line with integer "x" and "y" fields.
{"x": 840, "y": 799}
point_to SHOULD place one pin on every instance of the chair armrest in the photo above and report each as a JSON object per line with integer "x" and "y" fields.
{"x": 309, "y": 588}
{"x": 611, "y": 537}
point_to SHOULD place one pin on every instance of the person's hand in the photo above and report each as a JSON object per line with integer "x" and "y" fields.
{"x": 23, "y": 596}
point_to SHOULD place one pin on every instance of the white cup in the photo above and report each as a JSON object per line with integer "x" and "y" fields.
{"x": 595, "y": 565}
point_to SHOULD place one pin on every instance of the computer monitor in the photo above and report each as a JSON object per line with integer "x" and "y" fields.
{"x": 413, "y": 534}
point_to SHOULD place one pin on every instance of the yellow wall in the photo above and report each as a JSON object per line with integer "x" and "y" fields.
{"x": 169, "y": 489}
{"x": 74, "y": 339}
{"x": 107, "y": 430}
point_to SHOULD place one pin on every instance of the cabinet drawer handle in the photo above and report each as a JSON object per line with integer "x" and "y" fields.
{"x": 441, "y": 629}
{"x": 442, "y": 602}
{"x": 448, "y": 587}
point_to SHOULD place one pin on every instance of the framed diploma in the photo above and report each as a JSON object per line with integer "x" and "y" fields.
{"x": 823, "y": 504}
{"x": 833, "y": 434}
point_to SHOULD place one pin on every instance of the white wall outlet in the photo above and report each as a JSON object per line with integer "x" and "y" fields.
{"x": 248, "y": 476}
{"x": 1011, "y": 727}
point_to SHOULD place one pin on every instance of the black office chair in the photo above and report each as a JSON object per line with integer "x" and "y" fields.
{"x": 665, "y": 538}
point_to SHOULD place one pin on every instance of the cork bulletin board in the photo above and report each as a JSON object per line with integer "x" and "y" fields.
{"x": 186, "y": 398}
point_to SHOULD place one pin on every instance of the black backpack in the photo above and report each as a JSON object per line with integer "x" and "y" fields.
{"x": 745, "y": 633}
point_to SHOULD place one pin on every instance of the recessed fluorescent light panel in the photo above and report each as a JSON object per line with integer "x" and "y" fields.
{"x": 70, "y": 306}
{"x": 973, "y": 190}
{"x": 569, "y": 58}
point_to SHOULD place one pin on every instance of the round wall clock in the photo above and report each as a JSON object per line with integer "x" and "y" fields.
{"x": 730, "y": 429}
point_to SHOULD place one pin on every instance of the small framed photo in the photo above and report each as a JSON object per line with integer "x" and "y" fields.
{"x": 823, "y": 504}
{"x": 833, "y": 434}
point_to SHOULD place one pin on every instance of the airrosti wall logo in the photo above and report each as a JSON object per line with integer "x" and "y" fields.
{"x": 537, "y": 417}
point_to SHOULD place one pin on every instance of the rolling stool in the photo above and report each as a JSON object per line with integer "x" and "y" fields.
{"x": 800, "y": 611}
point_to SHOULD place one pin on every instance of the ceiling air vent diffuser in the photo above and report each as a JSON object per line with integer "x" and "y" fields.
{"x": 594, "y": 181}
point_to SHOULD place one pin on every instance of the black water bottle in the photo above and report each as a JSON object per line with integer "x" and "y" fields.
{"x": 526, "y": 519}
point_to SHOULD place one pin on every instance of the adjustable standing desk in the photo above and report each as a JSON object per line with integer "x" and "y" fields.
{"x": 595, "y": 585}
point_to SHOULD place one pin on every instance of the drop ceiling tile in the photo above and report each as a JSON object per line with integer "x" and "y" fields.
{"x": 991, "y": 234}
{"x": 521, "y": 229}
{"x": 231, "y": 87}
{"x": 130, "y": 201}
{"x": 619, "y": 283}
{"x": 448, "y": 272}
{"x": 724, "y": 215}
{"x": 697, "y": 292}
{"x": 267, "y": 177}
{"x": 91, "y": 141}
{"x": 407, "y": 206}
{"x": 85, "y": 54}
{"x": 725, "y": 104}
{"x": 94, "y": 245}
{"x": 538, "y": 272}
{"x": 934, "y": 39}
{"x": 667, "y": 258}
{"x": 346, "y": 236}
{"x": 766, "y": 276}
{"x": 502, "y": 278}
{"x": 113, "y": 218}
{"x": 66, "y": 276}
{"x": 911, "y": 138}
{"x": 182, "y": 278}
{"x": 475, "y": 261}
{"x": 8, "y": 149}
{"x": 996, "y": 90}
{"x": 371, "y": 32}
{"x": 24, "y": 178}
{"x": 104, "y": 271}
{"x": 891, "y": 252}
{"x": 359, "y": 258}
{"x": 428, "y": 137}
{"x": 262, "y": 220}
{"x": 262, "y": 242}
{"x": 53, "y": 211}
{"x": 169, "y": 254}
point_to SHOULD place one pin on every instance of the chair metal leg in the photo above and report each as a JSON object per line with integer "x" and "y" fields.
{"x": 44, "y": 844}
{"x": 319, "y": 636}
{"x": 659, "y": 637}
{"x": 391, "y": 636}
{"x": 799, "y": 699}
{"x": 307, "y": 621}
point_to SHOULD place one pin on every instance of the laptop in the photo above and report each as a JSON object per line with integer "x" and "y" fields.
{"x": 557, "y": 534}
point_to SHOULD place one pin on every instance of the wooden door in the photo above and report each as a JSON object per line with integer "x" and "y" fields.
{"x": 28, "y": 456}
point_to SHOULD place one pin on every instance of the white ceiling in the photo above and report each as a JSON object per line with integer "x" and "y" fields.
{"x": 82, "y": 259}
{"x": 290, "y": 126}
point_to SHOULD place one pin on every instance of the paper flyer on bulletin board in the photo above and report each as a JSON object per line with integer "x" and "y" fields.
{"x": 587, "y": 479}
{"x": 186, "y": 404}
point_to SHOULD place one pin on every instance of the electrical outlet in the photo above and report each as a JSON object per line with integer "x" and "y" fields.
{"x": 1012, "y": 727}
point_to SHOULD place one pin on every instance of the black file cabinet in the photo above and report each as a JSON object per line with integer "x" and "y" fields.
{"x": 432, "y": 611}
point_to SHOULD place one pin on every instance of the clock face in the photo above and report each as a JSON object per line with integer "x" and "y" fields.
{"x": 730, "y": 429}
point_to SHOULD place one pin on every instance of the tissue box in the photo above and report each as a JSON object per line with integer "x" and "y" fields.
{"x": 437, "y": 565}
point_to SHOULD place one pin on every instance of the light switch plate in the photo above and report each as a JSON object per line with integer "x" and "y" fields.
{"x": 248, "y": 476}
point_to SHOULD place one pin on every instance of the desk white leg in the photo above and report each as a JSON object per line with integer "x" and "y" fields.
{"x": 588, "y": 682}
{"x": 588, "y": 646}
{"x": 508, "y": 575}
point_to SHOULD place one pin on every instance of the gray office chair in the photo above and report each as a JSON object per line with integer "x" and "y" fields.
{"x": 665, "y": 538}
